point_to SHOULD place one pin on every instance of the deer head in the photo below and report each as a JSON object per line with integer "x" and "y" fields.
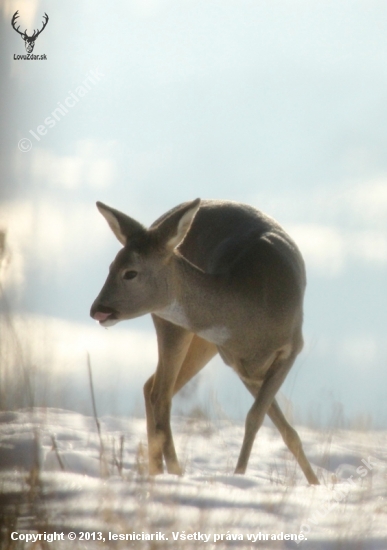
{"x": 139, "y": 278}
{"x": 28, "y": 40}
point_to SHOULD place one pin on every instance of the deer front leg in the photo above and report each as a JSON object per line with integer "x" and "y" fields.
{"x": 173, "y": 343}
{"x": 155, "y": 455}
{"x": 199, "y": 353}
{"x": 265, "y": 397}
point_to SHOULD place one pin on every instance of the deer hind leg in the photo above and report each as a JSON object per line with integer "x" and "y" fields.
{"x": 292, "y": 441}
{"x": 264, "y": 398}
{"x": 173, "y": 343}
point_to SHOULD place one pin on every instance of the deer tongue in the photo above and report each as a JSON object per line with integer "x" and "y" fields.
{"x": 100, "y": 316}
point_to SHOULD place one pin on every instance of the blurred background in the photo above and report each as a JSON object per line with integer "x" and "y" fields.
{"x": 144, "y": 104}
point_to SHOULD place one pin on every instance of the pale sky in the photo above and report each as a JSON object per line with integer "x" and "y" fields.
{"x": 280, "y": 105}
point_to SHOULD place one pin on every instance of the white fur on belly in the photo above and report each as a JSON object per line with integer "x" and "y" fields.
{"x": 175, "y": 314}
{"x": 216, "y": 335}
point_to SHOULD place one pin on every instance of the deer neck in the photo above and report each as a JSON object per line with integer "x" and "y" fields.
{"x": 188, "y": 289}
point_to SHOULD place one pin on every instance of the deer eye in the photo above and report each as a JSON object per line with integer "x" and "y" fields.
{"x": 130, "y": 274}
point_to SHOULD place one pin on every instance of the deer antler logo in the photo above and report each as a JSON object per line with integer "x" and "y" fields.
{"x": 29, "y": 40}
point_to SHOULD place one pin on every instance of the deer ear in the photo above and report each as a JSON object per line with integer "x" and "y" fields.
{"x": 122, "y": 225}
{"x": 174, "y": 228}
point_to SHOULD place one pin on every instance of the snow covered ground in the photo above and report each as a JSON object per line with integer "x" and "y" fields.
{"x": 58, "y": 476}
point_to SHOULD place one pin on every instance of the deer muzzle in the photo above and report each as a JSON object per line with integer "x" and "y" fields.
{"x": 106, "y": 316}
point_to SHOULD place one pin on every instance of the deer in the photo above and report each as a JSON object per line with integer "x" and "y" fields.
{"x": 217, "y": 277}
{"x": 29, "y": 41}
